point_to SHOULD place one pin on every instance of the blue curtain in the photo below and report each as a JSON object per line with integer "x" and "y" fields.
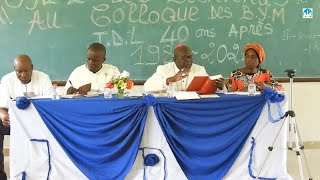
{"x": 101, "y": 137}
{"x": 207, "y": 135}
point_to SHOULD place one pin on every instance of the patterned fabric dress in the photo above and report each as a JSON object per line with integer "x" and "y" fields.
{"x": 239, "y": 80}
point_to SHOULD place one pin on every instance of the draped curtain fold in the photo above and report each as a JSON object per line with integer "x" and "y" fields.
{"x": 101, "y": 137}
{"x": 207, "y": 135}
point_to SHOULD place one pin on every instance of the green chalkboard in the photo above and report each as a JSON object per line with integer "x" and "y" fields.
{"x": 141, "y": 34}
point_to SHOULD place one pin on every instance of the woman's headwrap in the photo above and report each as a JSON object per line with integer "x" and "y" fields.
{"x": 259, "y": 50}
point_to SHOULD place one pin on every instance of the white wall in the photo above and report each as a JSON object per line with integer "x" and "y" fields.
{"x": 306, "y": 105}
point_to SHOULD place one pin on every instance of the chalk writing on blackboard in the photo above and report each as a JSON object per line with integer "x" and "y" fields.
{"x": 141, "y": 34}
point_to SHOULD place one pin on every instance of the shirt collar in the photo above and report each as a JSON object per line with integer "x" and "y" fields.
{"x": 93, "y": 72}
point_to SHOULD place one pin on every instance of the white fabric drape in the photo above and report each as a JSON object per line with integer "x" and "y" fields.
{"x": 32, "y": 157}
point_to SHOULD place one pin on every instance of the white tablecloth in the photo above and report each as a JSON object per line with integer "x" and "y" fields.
{"x": 32, "y": 157}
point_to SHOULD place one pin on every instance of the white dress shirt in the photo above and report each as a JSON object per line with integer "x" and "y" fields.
{"x": 157, "y": 82}
{"x": 82, "y": 75}
{"x": 11, "y": 87}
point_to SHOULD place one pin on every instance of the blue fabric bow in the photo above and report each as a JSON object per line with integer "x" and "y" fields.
{"x": 151, "y": 160}
{"x": 150, "y": 100}
{"x": 22, "y": 103}
{"x": 272, "y": 95}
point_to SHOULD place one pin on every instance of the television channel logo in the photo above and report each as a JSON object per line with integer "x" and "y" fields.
{"x": 307, "y": 13}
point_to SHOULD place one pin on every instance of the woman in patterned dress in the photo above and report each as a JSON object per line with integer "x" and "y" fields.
{"x": 239, "y": 79}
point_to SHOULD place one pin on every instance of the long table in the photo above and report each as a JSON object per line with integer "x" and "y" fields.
{"x": 30, "y": 159}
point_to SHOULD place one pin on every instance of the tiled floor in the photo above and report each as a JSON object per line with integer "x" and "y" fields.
{"x": 313, "y": 156}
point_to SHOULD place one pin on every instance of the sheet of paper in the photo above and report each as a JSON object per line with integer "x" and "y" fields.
{"x": 209, "y": 96}
{"x": 41, "y": 97}
{"x": 70, "y": 96}
{"x": 91, "y": 95}
{"x": 216, "y": 77}
{"x": 134, "y": 95}
{"x": 242, "y": 93}
{"x": 185, "y": 95}
{"x": 246, "y": 93}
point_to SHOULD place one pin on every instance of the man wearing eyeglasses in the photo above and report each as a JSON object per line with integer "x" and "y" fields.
{"x": 180, "y": 72}
{"x": 93, "y": 75}
{"x": 23, "y": 81}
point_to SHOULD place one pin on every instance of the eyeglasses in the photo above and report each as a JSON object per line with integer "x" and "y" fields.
{"x": 185, "y": 57}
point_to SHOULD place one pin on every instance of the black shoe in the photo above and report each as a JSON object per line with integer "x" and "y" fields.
{"x": 3, "y": 176}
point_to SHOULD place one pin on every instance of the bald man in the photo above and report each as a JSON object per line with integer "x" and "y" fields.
{"x": 180, "y": 72}
{"x": 94, "y": 74}
{"x": 22, "y": 81}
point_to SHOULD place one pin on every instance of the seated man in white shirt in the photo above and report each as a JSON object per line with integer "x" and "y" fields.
{"x": 23, "y": 81}
{"x": 93, "y": 75}
{"x": 180, "y": 72}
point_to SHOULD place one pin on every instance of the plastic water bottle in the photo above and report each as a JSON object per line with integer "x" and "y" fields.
{"x": 170, "y": 90}
{"x": 107, "y": 93}
{"x": 252, "y": 88}
{"x": 55, "y": 95}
